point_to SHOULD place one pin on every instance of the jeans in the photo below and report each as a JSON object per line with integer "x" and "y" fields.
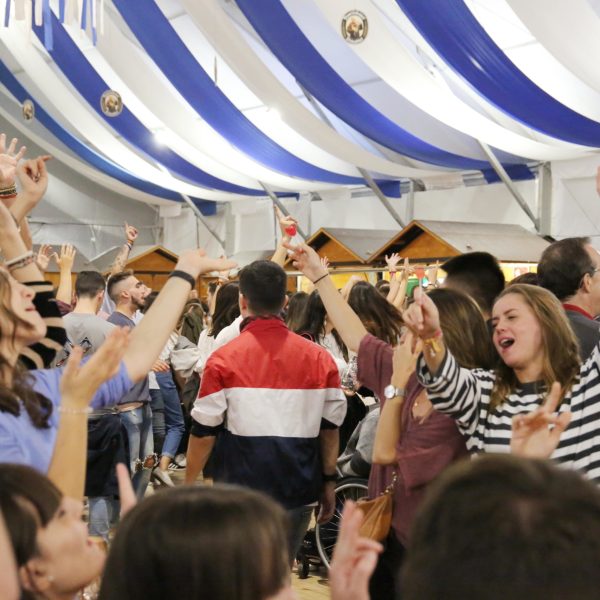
{"x": 138, "y": 424}
{"x": 173, "y": 416}
{"x": 103, "y": 514}
{"x": 158, "y": 420}
{"x": 299, "y": 522}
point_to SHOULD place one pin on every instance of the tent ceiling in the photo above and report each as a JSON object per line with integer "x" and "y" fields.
{"x": 223, "y": 97}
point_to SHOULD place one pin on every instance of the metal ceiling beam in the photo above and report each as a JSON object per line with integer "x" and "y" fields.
{"x": 364, "y": 174}
{"x": 201, "y": 218}
{"x": 509, "y": 183}
{"x": 277, "y": 202}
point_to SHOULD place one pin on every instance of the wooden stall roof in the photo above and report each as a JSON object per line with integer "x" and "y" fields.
{"x": 348, "y": 246}
{"x": 162, "y": 262}
{"x": 444, "y": 239}
{"x": 81, "y": 262}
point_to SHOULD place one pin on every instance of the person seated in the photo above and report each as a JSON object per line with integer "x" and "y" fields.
{"x": 503, "y": 527}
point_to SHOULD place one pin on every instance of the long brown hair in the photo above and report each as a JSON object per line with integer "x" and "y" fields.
{"x": 28, "y": 502}
{"x": 380, "y": 318}
{"x": 38, "y": 407}
{"x": 559, "y": 346}
{"x": 465, "y": 330}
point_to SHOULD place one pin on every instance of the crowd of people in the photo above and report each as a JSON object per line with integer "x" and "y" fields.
{"x": 483, "y": 424}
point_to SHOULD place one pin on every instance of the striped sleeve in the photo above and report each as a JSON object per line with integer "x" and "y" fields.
{"x": 42, "y": 353}
{"x": 211, "y": 405}
{"x": 334, "y": 409}
{"x": 455, "y": 391}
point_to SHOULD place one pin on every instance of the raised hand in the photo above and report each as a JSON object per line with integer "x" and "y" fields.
{"x": 537, "y": 434}
{"x": 43, "y": 257}
{"x": 33, "y": 178}
{"x": 66, "y": 258}
{"x": 405, "y": 359}
{"x": 325, "y": 262}
{"x": 392, "y": 261}
{"x": 288, "y": 225}
{"x": 9, "y": 159}
{"x": 305, "y": 259}
{"x": 354, "y": 558}
{"x": 422, "y": 316}
{"x": 131, "y": 233}
{"x": 195, "y": 262}
{"x": 80, "y": 382}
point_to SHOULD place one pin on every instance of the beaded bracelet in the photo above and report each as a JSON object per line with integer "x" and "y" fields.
{"x": 20, "y": 261}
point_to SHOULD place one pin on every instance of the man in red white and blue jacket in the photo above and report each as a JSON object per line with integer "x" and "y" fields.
{"x": 274, "y": 400}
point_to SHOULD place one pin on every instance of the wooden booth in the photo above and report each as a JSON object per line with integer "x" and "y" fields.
{"x": 348, "y": 251}
{"x": 425, "y": 242}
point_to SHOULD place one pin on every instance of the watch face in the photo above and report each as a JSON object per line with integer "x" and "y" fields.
{"x": 389, "y": 392}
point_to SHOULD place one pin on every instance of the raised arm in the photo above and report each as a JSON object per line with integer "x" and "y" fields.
{"x": 64, "y": 293}
{"x": 78, "y": 385}
{"x": 287, "y": 225}
{"x": 344, "y": 319}
{"x": 389, "y": 426}
{"x": 151, "y": 335}
{"x": 131, "y": 234}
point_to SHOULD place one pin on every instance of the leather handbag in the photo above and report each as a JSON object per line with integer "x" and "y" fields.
{"x": 377, "y": 512}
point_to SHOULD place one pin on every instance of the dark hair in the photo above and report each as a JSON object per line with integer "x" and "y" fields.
{"x": 295, "y": 310}
{"x": 221, "y": 542}
{"x": 528, "y": 278}
{"x": 312, "y": 325}
{"x": 383, "y": 287}
{"x": 115, "y": 279}
{"x": 150, "y": 298}
{"x": 20, "y": 392}
{"x": 477, "y": 274}
{"x": 465, "y": 330}
{"x": 563, "y": 265}
{"x": 501, "y": 527}
{"x": 212, "y": 287}
{"x": 263, "y": 284}
{"x": 227, "y": 308}
{"x": 88, "y": 284}
{"x": 28, "y": 501}
{"x": 380, "y": 318}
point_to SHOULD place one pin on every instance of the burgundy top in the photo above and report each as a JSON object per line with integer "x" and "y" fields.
{"x": 425, "y": 448}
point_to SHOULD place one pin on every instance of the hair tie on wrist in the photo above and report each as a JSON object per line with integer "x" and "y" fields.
{"x": 185, "y": 276}
{"x": 319, "y": 279}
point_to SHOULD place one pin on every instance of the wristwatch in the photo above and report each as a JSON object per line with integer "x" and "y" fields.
{"x": 392, "y": 391}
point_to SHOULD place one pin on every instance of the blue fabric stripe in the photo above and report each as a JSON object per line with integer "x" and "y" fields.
{"x": 461, "y": 41}
{"x": 515, "y": 172}
{"x": 285, "y": 39}
{"x": 90, "y": 85}
{"x": 86, "y": 153}
{"x": 171, "y": 55}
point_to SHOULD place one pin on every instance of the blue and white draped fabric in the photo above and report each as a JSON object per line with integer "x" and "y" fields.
{"x": 466, "y": 47}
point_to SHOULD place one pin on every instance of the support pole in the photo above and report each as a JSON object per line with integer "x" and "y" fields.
{"x": 277, "y": 202}
{"x": 509, "y": 183}
{"x": 201, "y": 218}
{"x": 364, "y": 174}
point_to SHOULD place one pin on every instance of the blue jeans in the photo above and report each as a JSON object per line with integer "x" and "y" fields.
{"x": 173, "y": 416}
{"x": 299, "y": 522}
{"x": 104, "y": 514}
{"x": 138, "y": 423}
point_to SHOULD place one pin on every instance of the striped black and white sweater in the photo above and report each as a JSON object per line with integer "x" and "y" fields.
{"x": 465, "y": 395}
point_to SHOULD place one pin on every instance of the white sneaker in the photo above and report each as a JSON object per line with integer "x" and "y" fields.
{"x": 163, "y": 477}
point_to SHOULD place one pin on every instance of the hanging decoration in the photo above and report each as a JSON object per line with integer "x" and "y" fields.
{"x": 84, "y": 12}
{"x": 355, "y": 27}
{"x": 28, "y": 110}
{"x": 111, "y": 103}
